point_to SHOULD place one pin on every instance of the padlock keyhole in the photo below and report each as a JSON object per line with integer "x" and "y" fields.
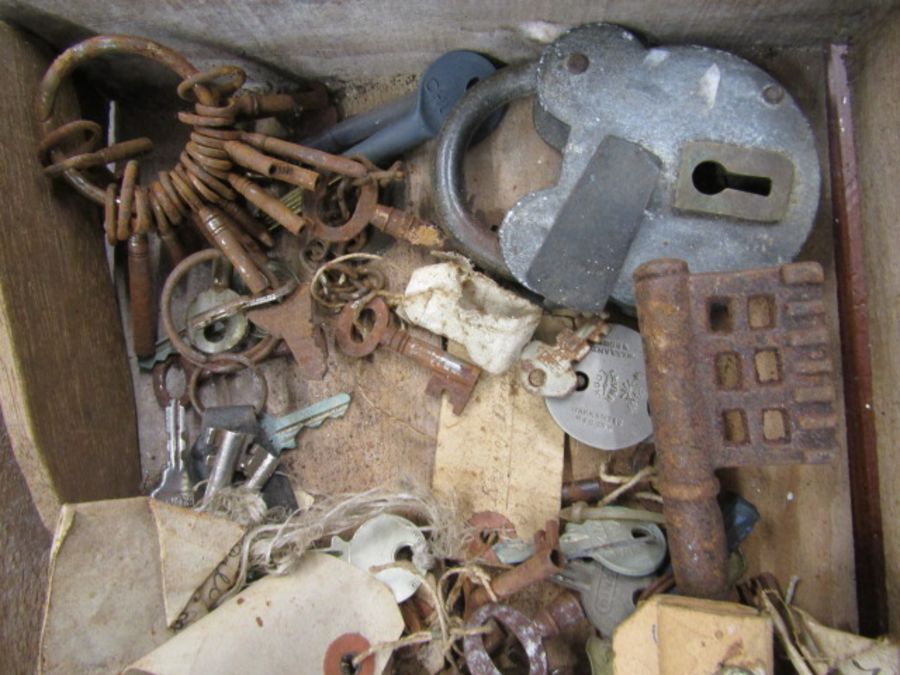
{"x": 711, "y": 178}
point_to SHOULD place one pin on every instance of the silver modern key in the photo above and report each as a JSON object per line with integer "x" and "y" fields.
{"x": 229, "y": 445}
{"x": 281, "y": 434}
{"x": 608, "y": 598}
{"x": 282, "y": 431}
{"x": 632, "y": 549}
{"x": 175, "y": 487}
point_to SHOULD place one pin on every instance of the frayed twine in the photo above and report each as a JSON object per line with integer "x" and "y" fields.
{"x": 242, "y": 506}
{"x": 276, "y": 546}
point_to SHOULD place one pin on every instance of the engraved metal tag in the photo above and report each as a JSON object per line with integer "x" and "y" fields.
{"x": 608, "y": 409}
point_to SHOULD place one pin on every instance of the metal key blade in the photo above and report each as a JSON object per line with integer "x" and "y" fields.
{"x": 282, "y": 431}
{"x": 175, "y": 487}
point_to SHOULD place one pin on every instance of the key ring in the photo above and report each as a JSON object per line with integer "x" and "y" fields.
{"x": 254, "y": 354}
{"x": 85, "y": 51}
{"x": 160, "y": 374}
{"x": 238, "y": 359}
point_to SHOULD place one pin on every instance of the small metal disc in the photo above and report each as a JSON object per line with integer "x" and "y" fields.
{"x": 223, "y": 334}
{"x": 608, "y": 409}
{"x": 383, "y": 540}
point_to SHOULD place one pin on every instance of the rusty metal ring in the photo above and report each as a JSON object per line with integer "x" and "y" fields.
{"x": 194, "y": 380}
{"x": 160, "y": 219}
{"x": 525, "y": 630}
{"x": 62, "y": 133}
{"x": 256, "y": 353}
{"x": 341, "y": 650}
{"x": 85, "y": 51}
{"x": 215, "y": 165}
{"x": 160, "y": 373}
{"x": 187, "y": 88}
{"x": 183, "y": 187}
{"x": 222, "y": 190}
{"x": 142, "y": 215}
{"x": 230, "y": 110}
{"x": 126, "y": 200}
{"x": 204, "y": 150}
{"x": 161, "y": 199}
{"x": 195, "y": 120}
{"x": 190, "y": 171}
{"x": 362, "y": 214}
{"x": 219, "y": 134}
{"x": 346, "y": 322}
{"x": 208, "y": 142}
{"x": 165, "y": 179}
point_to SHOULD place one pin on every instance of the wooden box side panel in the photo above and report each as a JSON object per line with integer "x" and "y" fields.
{"x": 877, "y": 90}
{"x": 65, "y": 387}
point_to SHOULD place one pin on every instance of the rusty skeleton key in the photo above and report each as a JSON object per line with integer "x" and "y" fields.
{"x": 451, "y": 375}
{"x": 739, "y": 374}
{"x": 398, "y": 224}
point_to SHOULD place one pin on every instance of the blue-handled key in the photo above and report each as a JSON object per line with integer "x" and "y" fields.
{"x": 390, "y": 130}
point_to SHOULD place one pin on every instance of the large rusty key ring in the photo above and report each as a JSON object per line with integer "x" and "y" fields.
{"x": 83, "y": 52}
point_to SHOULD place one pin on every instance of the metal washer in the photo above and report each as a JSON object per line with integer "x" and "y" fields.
{"x": 611, "y": 412}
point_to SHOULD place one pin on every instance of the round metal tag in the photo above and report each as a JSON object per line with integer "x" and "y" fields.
{"x": 608, "y": 409}
{"x": 223, "y": 334}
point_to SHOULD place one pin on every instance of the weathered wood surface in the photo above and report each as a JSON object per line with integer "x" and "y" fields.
{"x": 65, "y": 390}
{"x": 62, "y": 361}
{"x": 339, "y": 39}
{"x": 877, "y": 89}
{"x": 503, "y": 454}
{"x": 852, "y": 297}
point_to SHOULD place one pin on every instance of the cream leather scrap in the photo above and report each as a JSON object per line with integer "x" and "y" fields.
{"x": 283, "y": 624}
{"x": 119, "y": 570}
{"x": 452, "y": 299}
{"x": 191, "y": 546}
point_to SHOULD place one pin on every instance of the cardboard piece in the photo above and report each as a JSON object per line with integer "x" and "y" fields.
{"x": 505, "y": 454}
{"x": 118, "y": 570}
{"x": 671, "y": 635}
{"x": 283, "y": 624}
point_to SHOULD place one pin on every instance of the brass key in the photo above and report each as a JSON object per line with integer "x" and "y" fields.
{"x": 451, "y": 375}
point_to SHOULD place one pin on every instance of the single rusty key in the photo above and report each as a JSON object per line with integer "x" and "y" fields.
{"x": 453, "y": 376}
{"x": 252, "y": 159}
{"x": 398, "y": 224}
{"x": 213, "y": 223}
{"x": 739, "y": 373}
{"x": 141, "y": 296}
